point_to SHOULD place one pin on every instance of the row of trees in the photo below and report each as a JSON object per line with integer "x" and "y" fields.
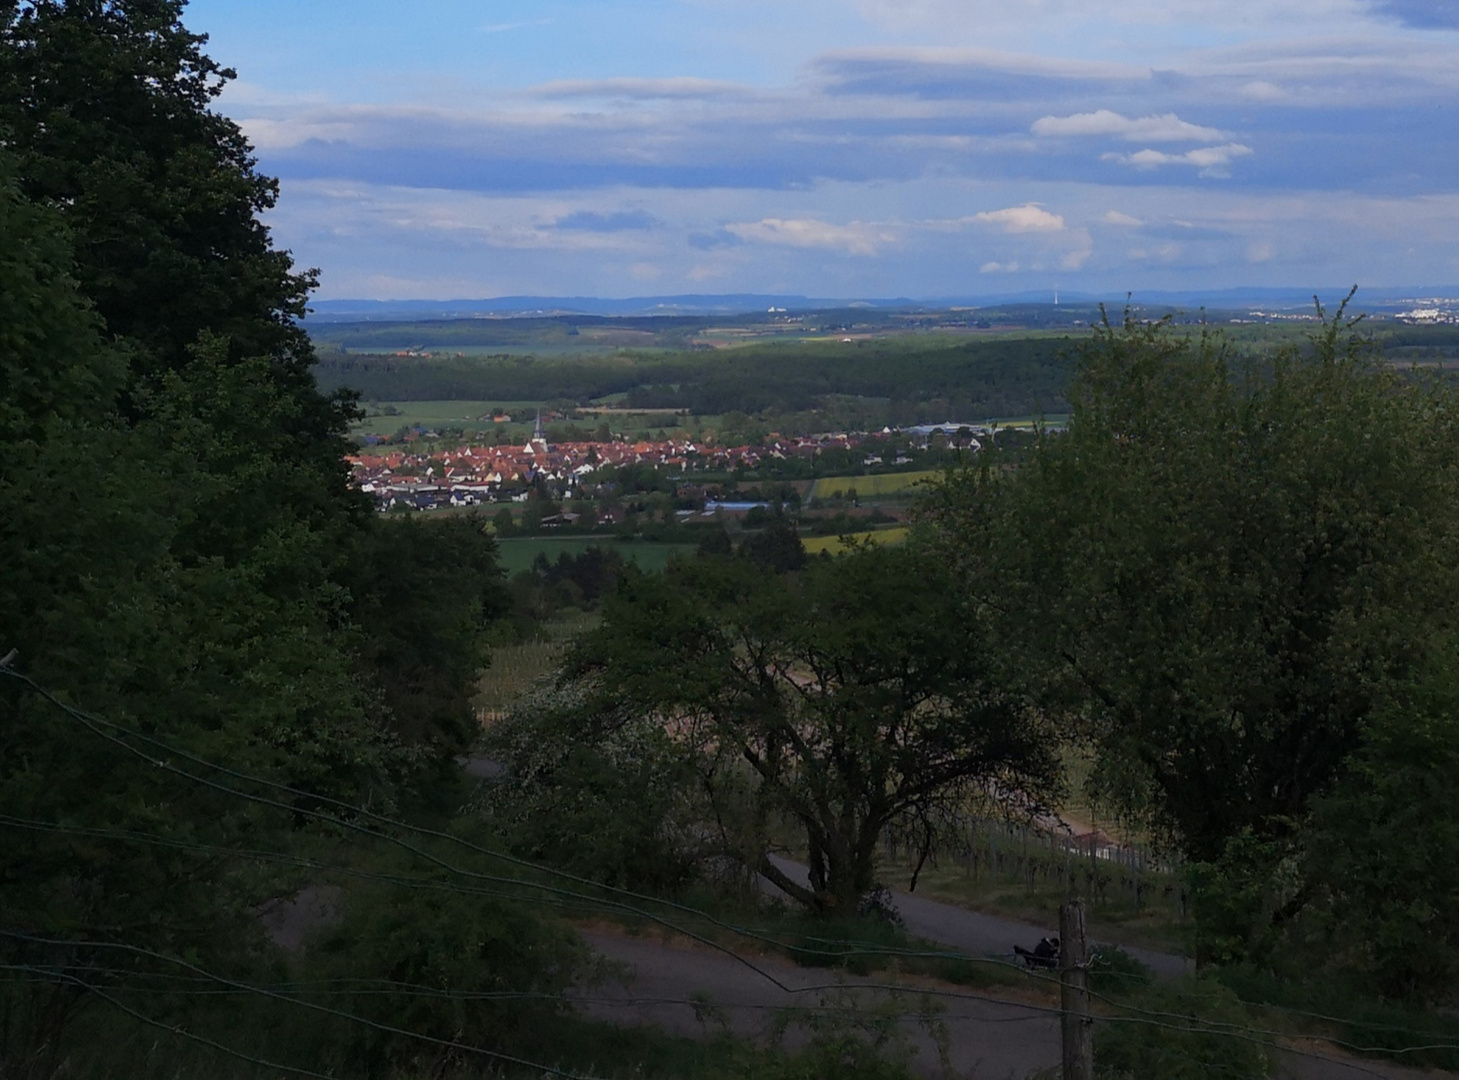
{"x": 1230, "y": 586}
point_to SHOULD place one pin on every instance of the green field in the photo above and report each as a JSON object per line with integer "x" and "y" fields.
{"x": 433, "y": 414}
{"x": 467, "y": 416}
{"x": 814, "y": 545}
{"x": 872, "y": 486}
{"x": 517, "y": 553}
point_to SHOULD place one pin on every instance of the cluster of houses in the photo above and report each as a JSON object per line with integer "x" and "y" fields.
{"x": 403, "y": 477}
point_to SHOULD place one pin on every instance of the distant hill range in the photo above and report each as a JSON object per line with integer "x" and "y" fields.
{"x": 1388, "y": 299}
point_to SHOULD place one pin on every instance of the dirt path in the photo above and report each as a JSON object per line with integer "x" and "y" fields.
{"x": 694, "y": 990}
{"x": 984, "y": 935}
{"x": 987, "y": 1040}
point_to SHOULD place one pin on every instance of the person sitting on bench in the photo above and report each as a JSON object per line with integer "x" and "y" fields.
{"x": 1043, "y": 955}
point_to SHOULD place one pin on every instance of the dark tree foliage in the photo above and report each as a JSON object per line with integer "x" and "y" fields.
{"x": 107, "y": 109}
{"x": 424, "y": 593}
{"x": 176, "y": 533}
{"x": 108, "y": 105}
{"x": 972, "y": 379}
{"x": 1383, "y": 847}
{"x": 585, "y": 578}
{"x": 857, "y": 693}
{"x": 614, "y": 801}
{"x": 102, "y": 609}
{"x": 456, "y": 968}
{"x": 1217, "y": 575}
{"x": 775, "y": 547}
{"x": 715, "y": 542}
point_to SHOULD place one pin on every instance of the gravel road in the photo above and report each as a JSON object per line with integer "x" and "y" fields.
{"x": 986, "y": 1040}
{"x": 979, "y": 934}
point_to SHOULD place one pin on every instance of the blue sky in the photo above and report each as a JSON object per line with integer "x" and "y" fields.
{"x": 846, "y": 148}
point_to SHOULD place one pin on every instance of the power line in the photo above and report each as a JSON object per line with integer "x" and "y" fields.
{"x": 1189, "y": 1025}
{"x": 390, "y": 1029}
{"x": 42, "y": 974}
{"x": 181, "y": 1032}
{"x": 95, "y": 723}
{"x": 583, "y": 901}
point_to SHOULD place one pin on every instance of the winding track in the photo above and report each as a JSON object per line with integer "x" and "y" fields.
{"x": 986, "y": 1039}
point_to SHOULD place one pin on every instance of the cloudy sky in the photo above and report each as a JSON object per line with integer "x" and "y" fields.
{"x": 842, "y": 148}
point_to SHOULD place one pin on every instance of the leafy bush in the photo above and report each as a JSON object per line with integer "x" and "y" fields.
{"x": 851, "y": 944}
{"x": 1114, "y": 971}
{"x": 612, "y": 799}
{"x": 440, "y": 965}
{"x": 1384, "y": 847}
{"x": 1181, "y": 1031}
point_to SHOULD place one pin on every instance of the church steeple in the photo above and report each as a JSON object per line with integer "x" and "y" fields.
{"x": 537, "y": 444}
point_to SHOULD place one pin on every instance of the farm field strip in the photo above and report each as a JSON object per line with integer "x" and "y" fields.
{"x": 874, "y": 485}
{"x": 814, "y": 545}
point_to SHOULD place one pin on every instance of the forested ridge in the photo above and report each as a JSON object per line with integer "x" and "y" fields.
{"x": 973, "y": 378}
{"x": 239, "y": 838}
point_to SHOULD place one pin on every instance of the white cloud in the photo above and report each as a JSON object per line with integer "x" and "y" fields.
{"x": 998, "y": 268}
{"x": 503, "y": 27}
{"x": 856, "y": 238}
{"x": 1164, "y": 253}
{"x": 1077, "y": 256}
{"x": 1114, "y": 217}
{"x": 1263, "y": 91}
{"x": 1210, "y": 160}
{"x": 1259, "y": 252}
{"x": 1030, "y": 217}
{"x": 1163, "y": 128}
{"x": 682, "y": 87}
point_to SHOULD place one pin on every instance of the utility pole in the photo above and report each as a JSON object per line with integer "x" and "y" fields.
{"x": 1078, "y": 1026}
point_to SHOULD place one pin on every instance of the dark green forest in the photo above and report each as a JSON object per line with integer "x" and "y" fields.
{"x": 1017, "y": 377}
{"x": 253, "y": 825}
{"x": 897, "y": 379}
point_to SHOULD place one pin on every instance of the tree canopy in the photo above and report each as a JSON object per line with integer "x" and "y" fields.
{"x": 1218, "y": 580}
{"x": 857, "y": 693}
{"x": 183, "y": 554}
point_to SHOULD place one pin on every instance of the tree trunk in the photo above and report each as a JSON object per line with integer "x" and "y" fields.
{"x": 781, "y": 881}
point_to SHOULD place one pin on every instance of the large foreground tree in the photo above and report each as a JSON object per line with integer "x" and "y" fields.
{"x": 1220, "y": 568}
{"x": 853, "y": 695}
{"x": 181, "y": 552}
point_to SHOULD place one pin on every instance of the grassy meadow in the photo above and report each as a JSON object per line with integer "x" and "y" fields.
{"x": 877, "y": 486}
{"x": 814, "y": 545}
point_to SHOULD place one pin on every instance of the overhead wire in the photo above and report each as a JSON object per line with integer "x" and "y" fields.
{"x": 449, "y": 1044}
{"x": 181, "y": 1032}
{"x": 1152, "y": 1018}
{"x": 95, "y": 723}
